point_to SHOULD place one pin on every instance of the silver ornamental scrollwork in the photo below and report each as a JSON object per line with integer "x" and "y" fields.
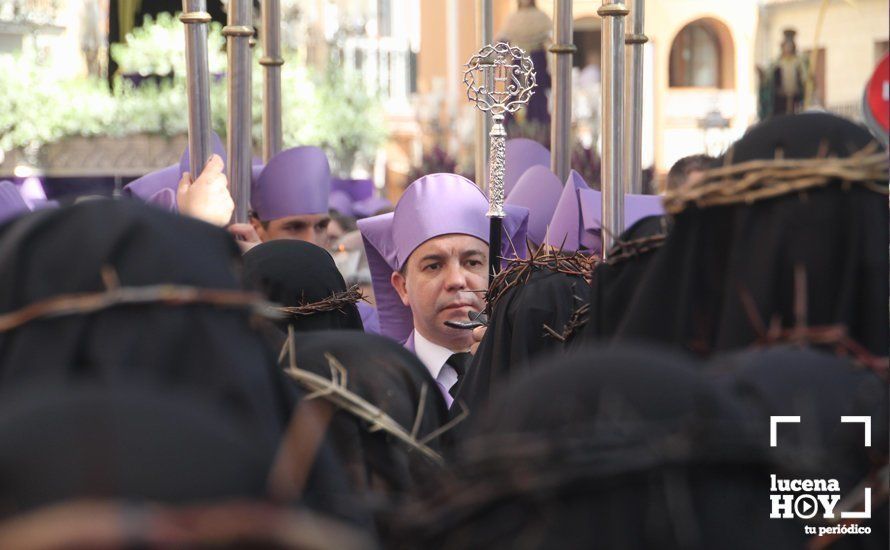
{"x": 500, "y": 79}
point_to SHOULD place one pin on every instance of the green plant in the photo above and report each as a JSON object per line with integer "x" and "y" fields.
{"x": 37, "y": 107}
{"x": 350, "y": 126}
{"x": 158, "y": 48}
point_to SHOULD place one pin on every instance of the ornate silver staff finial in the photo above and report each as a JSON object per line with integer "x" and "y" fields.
{"x": 500, "y": 79}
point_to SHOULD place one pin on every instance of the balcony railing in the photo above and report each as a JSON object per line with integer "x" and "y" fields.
{"x": 383, "y": 64}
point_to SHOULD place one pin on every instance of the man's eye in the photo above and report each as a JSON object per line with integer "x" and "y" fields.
{"x": 431, "y": 267}
{"x": 322, "y": 225}
{"x": 474, "y": 263}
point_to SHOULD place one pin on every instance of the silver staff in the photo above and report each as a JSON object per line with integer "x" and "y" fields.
{"x": 500, "y": 79}
{"x": 484, "y": 35}
{"x": 633, "y": 182}
{"x": 195, "y": 19}
{"x": 271, "y": 62}
{"x": 560, "y": 130}
{"x": 613, "y": 121}
{"x": 238, "y": 33}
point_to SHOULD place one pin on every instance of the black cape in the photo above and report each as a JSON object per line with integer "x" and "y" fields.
{"x": 618, "y": 448}
{"x": 690, "y": 294}
{"x": 516, "y": 333}
{"x": 294, "y": 273}
{"x": 209, "y": 351}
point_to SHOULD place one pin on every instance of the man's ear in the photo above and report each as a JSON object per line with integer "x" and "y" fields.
{"x": 400, "y": 283}
{"x": 258, "y": 227}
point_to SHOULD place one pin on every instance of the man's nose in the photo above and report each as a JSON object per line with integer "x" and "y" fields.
{"x": 456, "y": 278}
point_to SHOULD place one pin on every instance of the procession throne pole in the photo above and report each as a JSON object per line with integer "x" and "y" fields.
{"x": 500, "y": 79}
{"x": 635, "y": 41}
{"x": 612, "y": 171}
{"x": 195, "y": 19}
{"x": 484, "y": 36}
{"x": 561, "y": 129}
{"x": 239, "y": 147}
{"x": 271, "y": 62}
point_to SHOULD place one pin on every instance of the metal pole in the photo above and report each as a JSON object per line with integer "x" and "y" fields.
{"x": 195, "y": 19}
{"x": 271, "y": 62}
{"x": 238, "y": 33}
{"x": 613, "y": 121}
{"x": 561, "y": 128}
{"x": 484, "y": 36}
{"x": 635, "y": 40}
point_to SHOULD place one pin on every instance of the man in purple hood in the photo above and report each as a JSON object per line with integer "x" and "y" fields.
{"x": 289, "y": 197}
{"x": 429, "y": 262}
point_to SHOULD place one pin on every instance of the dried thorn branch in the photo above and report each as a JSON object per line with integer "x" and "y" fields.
{"x": 335, "y": 302}
{"x": 755, "y": 180}
{"x": 84, "y": 303}
{"x": 334, "y": 390}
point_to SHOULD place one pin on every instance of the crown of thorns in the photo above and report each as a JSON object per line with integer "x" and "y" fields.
{"x": 337, "y": 301}
{"x": 757, "y": 180}
{"x": 115, "y": 295}
{"x": 335, "y": 390}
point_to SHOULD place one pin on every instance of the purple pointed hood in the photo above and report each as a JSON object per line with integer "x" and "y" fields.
{"x": 577, "y": 220}
{"x": 12, "y": 205}
{"x": 434, "y": 205}
{"x": 636, "y": 207}
{"x": 565, "y": 225}
{"x": 358, "y": 190}
{"x": 164, "y": 199}
{"x": 521, "y": 154}
{"x": 148, "y": 185}
{"x": 370, "y": 206}
{"x": 539, "y": 191}
{"x": 294, "y": 182}
{"x": 341, "y": 202}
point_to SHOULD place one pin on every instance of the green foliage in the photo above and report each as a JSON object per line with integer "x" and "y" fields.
{"x": 158, "y": 47}
{"x": 330, "y": 110}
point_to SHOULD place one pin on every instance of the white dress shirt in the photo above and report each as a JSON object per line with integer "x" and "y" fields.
{"x": 433, "y": 356}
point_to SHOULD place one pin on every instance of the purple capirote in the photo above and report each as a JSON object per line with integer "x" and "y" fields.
{"x": 341, "y": 202}
{"x": 539, "y": 190}
{"x": 147, "y": 186}
{"x": 564, "y": 230}
{"x": 636, "y": 207}
{"x": 432, "y": 206}
{"x": 520, "y": 155}
{"x": 577, "y": 220}
{"x": 369, "y": 207}
{"x": 358, "y": 190}
{"x": 12, "y": 205}
{"x": 165, "y": 199}
{"x": 294, "y": 182}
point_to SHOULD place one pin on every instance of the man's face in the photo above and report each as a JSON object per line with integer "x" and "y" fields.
{"x": 311, "y": 228}
{"x": 435, "y": 281}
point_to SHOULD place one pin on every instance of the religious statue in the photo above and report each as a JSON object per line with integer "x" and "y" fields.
{"x": 529, "y": 28}
{"x": 783, "y": 84}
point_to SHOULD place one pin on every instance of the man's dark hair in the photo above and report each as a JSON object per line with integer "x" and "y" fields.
{"x": 265, "y": 225}
{"x": 346, "y": 222}
{"x": 681, "y": 169}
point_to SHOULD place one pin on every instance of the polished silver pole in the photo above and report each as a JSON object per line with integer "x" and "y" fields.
{"x": 634, "y": 119}
{"x": 239, "y": 148}
{"x": 271, "y": 62}
{"x": 561, "y": 127}
{"x": 484, "y": 36}
{"x": 613, "y": 121}
{"x": 196, "y": 19}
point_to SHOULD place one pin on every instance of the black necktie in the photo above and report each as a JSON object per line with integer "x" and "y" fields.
{"x": 459, "y": 362}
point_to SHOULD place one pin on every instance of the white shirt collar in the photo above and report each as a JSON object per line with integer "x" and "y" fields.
{"x": 430, "y": 354}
